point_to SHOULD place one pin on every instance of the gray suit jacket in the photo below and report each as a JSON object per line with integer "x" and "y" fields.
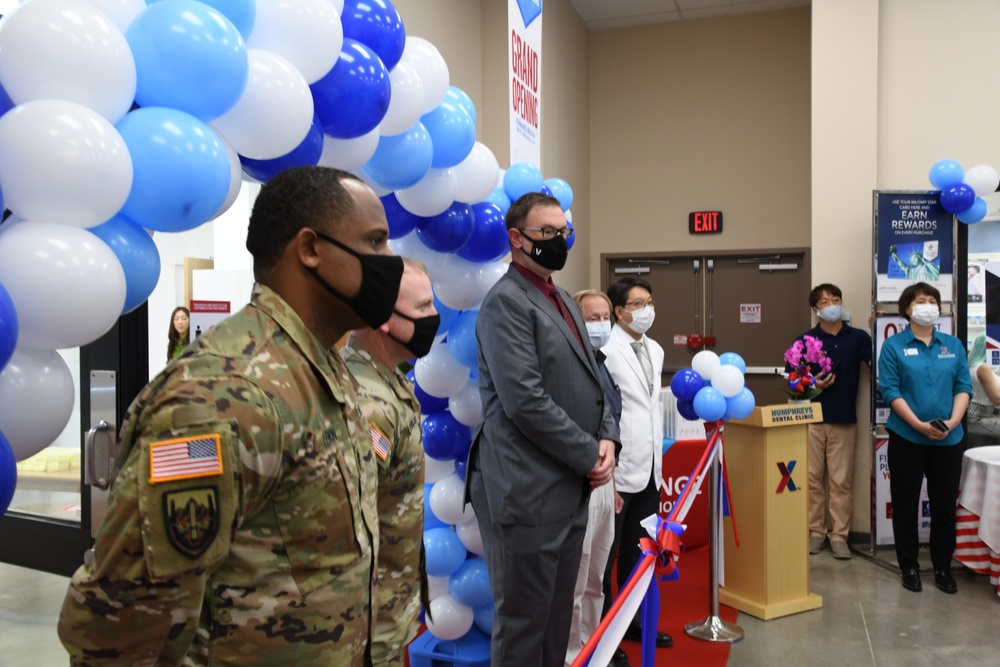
{"x": 543, "y": 406}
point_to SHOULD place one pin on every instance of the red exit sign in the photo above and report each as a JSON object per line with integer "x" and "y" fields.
{"x": 705, "y": 222}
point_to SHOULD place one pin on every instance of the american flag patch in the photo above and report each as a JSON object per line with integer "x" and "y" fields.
{"x": 185, "y": 458}
{"x": 380, "y": 443}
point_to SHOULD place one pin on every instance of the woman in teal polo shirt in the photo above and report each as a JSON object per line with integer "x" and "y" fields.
{"x": 924, "y": 377}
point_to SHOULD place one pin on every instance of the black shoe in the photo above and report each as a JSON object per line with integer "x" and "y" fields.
{"x": 945, "y": 582}
{"x": 911, "y": 580}
{"x": 663, "y": 640}
{"x": 619, "y": 659}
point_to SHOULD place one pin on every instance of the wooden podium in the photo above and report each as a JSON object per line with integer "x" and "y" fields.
{"x": 768, "y": 575}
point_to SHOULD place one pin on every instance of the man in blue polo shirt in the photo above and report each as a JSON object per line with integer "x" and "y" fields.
{"x": 831, "y": 443}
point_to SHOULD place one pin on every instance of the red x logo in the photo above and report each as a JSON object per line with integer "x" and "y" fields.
{"x": 786, "y": 477}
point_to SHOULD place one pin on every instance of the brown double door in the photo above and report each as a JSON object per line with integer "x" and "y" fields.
{"x": 753, "y": 303}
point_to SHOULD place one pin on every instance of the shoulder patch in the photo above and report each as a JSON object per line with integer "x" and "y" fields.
{"x": 191, "y": 519}
{"x": 185, "y": 458}
{"x": 381, "y": 444}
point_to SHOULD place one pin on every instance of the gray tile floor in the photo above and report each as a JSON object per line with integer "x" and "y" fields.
{"x": 867, "y": 619}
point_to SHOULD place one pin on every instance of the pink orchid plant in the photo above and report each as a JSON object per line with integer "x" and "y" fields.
{"x": 807, "y": 359}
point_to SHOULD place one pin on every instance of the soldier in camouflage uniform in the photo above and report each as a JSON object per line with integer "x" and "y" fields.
{"x": 242, "y": 527}
{"x": 392, "y": 413}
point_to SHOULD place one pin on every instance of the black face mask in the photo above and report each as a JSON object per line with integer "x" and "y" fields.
{"x": 380, "y": 278}
{"x": 424, "y": 331}
{"x": 550, "y": 254}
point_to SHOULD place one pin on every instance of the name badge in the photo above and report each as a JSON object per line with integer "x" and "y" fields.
{"x": 910, "y": 352}
{"x": 946, "y": 356}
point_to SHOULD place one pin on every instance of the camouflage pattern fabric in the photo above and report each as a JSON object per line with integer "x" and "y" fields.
{"x": 261, "y": 555}
{"x": 388, "y": 403}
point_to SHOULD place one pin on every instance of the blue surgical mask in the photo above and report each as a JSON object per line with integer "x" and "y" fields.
{"x": 832, "y": 313}
{"x": 599, "y": 333}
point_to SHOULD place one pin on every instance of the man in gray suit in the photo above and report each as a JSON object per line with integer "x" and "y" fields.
{"x": 547, "y": 438}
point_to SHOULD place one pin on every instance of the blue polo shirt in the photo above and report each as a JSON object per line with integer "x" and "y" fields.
{"x": 848, "y": 348}
{"x": 927, "y": 377}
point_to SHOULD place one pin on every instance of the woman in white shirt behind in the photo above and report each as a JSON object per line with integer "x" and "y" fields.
{"x": 982, "y": 416}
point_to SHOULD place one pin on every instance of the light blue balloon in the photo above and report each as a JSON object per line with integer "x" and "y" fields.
{"x": 447, "y": 314}
{"x": 444, "y": 553}
{"x": 561, "y": 191}
{"x": 945, "y": 173}
{"x": 188, "y": 56}
{"x": 522, "y": 178}
{"x": 500, "y": 198}
{"x": 241, "y": 13}
{"x": 180, "y": 168}
{"x": 710, "y": 404}
{"x": 401, "y": 160}
{"x": 138, "y": 255}
{"x": 470, "y": 584}
{"x": 483, "y": 617}
{"x": 462, "y": 340}
{"x": 733, "y": 359}
{"x": 453, "y": 133}
{"x": 741, "y": 405}
{"x": 458, "y": 96}
{"x": 974, "y": 214}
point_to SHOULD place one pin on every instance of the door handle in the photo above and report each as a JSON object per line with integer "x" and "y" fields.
{"x": 98, "y": 451}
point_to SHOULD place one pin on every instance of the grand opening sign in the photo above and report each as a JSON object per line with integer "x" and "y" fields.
{"x": 524, "y": 59}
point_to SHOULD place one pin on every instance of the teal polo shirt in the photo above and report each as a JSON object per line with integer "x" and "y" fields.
{"x": 927, "y": 377}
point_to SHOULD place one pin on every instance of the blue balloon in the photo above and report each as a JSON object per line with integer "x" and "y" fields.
{"x": 957, "y": 198}
{"x": 138, "y": 255}
{"x": 430, "y": 519}
{"x": 6, "y": 104}
{"x": 445, "y": 438}
{"x": 571, "y": 239}
{"x": 8, "y": 327}
{"x": 945, "y": 173}
{"x": 306, "y": 154}
{"x": 352, "y": 98}
{"x": 8, "y": 474}
{"x": 741, "y": 405}
{"x": 443, "y": 552}
{"x": 489, "y": 238}
{"x": 733, "y": 359}
{"x": 470, "y": 584}
{"x": 241, "y": 13}
{"x": 461, "y": 466}
{"x": 179, "y": 164}
{"x": 456, "y": 95}
{"x": 560, "y": 190}
{"x": 710, "y": 404}
{"x": 545, "y": 190}
{"x": 377, "y": 25}
{"x": 500, "y": 198}
{"x": 483, "y": 617}
{"x": 686, "y": 408}
{"x": 188, "y": 57}
{"x": 401, "y": 160}
{"x": 462, "y": 338}
{"x": 429, "y": 405}
{"x": 447, "y": 315}
{"x": 685, "y": 384}
{"x": 520, "y": 179}
{"x": 453, "y": 133}
{"x": 401, "y": 222}
{"x": 448, "y": 231}
{"x": 976, "y": 212}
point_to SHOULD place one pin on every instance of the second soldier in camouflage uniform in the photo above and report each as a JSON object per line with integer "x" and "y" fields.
{"x": 242, "y": 527}
{"x": 392, "y": 413}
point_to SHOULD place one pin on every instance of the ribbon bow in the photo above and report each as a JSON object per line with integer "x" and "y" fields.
{"x": 666, "y": 547}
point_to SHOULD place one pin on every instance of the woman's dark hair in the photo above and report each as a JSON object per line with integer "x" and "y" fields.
{"x": 618, "y": 293}
{"x": 911, "y": 293}
{"x": 173, "y": 337}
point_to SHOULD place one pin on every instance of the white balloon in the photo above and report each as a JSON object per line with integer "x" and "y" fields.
{"x": 438, "y": 373}
{"x": 470, "y": 537}
{"x": 274, "y": 113}
{"x": 349, "y": 154}
{"x": 432, "y": 195}
{"x": 449, "y": 619}
{"x": 406, "y": 103}
{"x": 67, "y": 50}
{"x": 728, "y": 380}
{"x": 121, "y": 12}
{"x": 36, "y": 400}
{"x": 235, "y": 178}
{"x": 569, "y": 215}
{"x": 447, "y": 500}
{"x": 437, "y": 586}
{"x": 62, "y": 162}
{"x": 461, "y": 284}
{"x": 411, "y": 246}
{"x": 435, "y": 470}
{"x": 466, "y": 406}
{"x": 424, "y": 57}
{"x": 306, "y": 33}
{"x": 476, "y": 175}
{"x": 983, "y": 179}
{"x": 67, "y": 286}
{"x": 705, "y": 363}
{"x": 338, "y": 5}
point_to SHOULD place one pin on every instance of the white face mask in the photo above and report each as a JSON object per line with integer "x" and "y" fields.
{"x": 642, "y": 319}
{"x": 599, "y": 333}
{"x": 924, "y": 314}
{"x": 831, "y": 313}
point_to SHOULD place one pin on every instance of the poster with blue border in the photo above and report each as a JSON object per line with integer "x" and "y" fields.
{"x": 915, "y": 243}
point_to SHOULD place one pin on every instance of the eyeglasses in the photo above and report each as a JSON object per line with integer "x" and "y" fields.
{"x": 636, "y": 305}
{"x": 549, "y": 232}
